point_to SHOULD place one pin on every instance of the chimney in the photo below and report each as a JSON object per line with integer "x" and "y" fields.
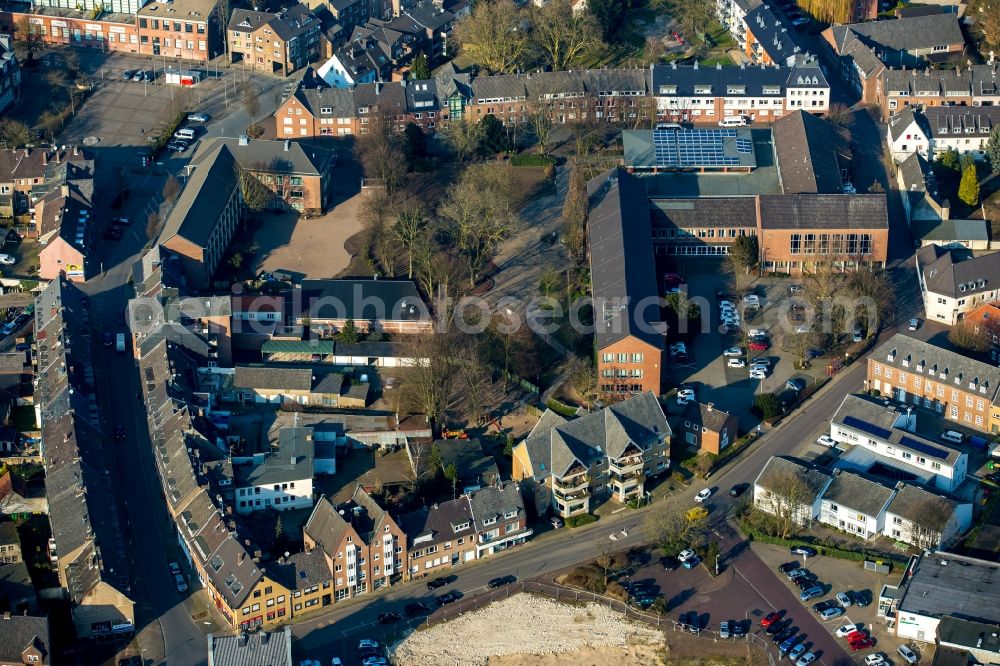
{"x": 76, "y": 150}
{"x": 45, "y": 157}
{"x": 288, "y": 145}
{"x": 711, "y": 407}
{"x": 64, "y": 189}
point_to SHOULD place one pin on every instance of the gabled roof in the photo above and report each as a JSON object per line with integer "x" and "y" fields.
{"x": 865, "y": 59}
{"x": 606, "y": 433}
{"x": 203, "y": 199}
{"x": 946, "y": 122}
{"x": 904, "y": 120}
{"x": 815, "y": 478}
{"x": 292, "y": 461}
{"x": 707, "y": 416}
{"x": 775, "y": 35}
{"x": 938, "y": 360}
{"x": 272, "y": 377}
{"x": 621, "y": 260}
{"x": 823, "y": 211}
{"x": 286, "y": 25}
{"x": 857, "y": 492}
{"x": 19, "y": 632}
{"x": 265, "y": 648}
{"x": 757, "y": 81}
{"x": 806, "y": 148}
{"x": 284, "y": 157}
{"x": 956, "y": 272}
{"x": 326, "y": 527}
{"x": 491, "y": 504}
{"x": 437, "y": 523}
{"x": 911, "y": 501}
{"x": 905, "y": 34}
{"x": 301, "y": 570}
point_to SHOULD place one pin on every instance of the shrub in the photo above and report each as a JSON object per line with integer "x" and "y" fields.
{"x": 589, "y": 577}
{"x": 616, "y": 591}
{"x": 560, "y": 409}
{"x": 581, "y": 520}
{"x": 532, "y": 160}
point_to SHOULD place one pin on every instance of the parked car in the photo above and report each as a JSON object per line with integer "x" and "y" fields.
{"x": 733, "y": 352}
{"x": 109, "y": 339}
{"x": 389, "y": 618}
{"x": 7, "y": 260}
{"x": 128, "y": 74}
{"x": 796, "y": 289}
{"x": 119, "y": 432}
{"x": 685, "y": 396}
{"x": 703, "y": 495}
{"x": 758, "y": 374}
{"x": 778, "y": 626}
{"x": 150, "y": 76}
{"x": 857, "y": 336}
{"x": 781, "y": 636}
{"x": 831, "y": 613}
{"x": 821, "y": 606}
{"x": 811, "y": 593}
{"x": 771, "y": 618}
{"x": 22, "y": 346}
{"x": 198, "y": 118}
{"x": 724, "y": 629}
{"x": 799, "y": 573}
{"x": 795, "y": 384}
{"x": 138, "y": 76}
{"x": 367, "y": 644}
{"x": 691, "y": 563}
{"x": 502, "y": 580}
{"x": 440, "y": 581}
{"x": 844, "y": 599}
{"x": 789, "y": 643}
{"x": 757, "y": 345}
{"x": 180, "y": 583}
{"x": 806, "y": 659}
{"x": 416, "y": 608}
{"x": 908, "y": 655}
{"x": 862, "y": 644}
{"x": 805, "y": 551}
{"x": 847, "y": 629}
{"x": 826, "y": 440}
{"x": 796, "y": 652}
{"x": 174, "y": 567}
{"x": 448, "y": 597}
{"x": 736, "y": 363}
{"x": 876, "y": 659}
{"x": 914, "y": 324}
{"x": 556, "y": 522}
{"x": 788, "y": 566}
{"x": 738, "y": 489}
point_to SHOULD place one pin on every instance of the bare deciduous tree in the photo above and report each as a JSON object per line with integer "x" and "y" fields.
{"x": 574, "y": 215}
{"x": 788, "y": 498}
{"x": 464, "y": 136}
{"x": 965, "y": 335}
{"x": 539, "y": 118}
{"x": 381, "y": 152}
{"x": 927, "y": 530}
{"x": 561, "y": 34}
{"x": 671, "y": 532}
{"x": 493, "y": 36}
{"x": 408, "y": 228}
{"x": 256, "y": 194}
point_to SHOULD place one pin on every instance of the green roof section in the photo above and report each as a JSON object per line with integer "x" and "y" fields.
{"x": 298, "y": 347}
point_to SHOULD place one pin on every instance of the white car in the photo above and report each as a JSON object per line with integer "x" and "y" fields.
{"x": 844, "y": 599}
{"x": 758, "y": 374}
{"x": 685, "y": 555}
{"x": 806, "y": 659}
{"x": 736, "y": 363}
{"x": 757, "y": 333}
{"x": 7, "y": 260}
{"x": 847, "y": 629}
{"x": 686, "y": 395}
{"x": 826, "y": 440}
{"x": 198, "y": 118}
{"x": 875, "y": 659}
{"x": 728, "y": 321}
{"x": 733, "y": 352}
{"x": 703, "y": 495}
{"x": 908, "y": 655}
{"x": 727, "y": 304}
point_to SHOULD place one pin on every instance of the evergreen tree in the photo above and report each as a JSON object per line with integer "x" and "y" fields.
{"x": 949, "y": 159}
{"x": 968, "y": 189}
{"x": 967, "y": 161}
{"x": 992, "y": 150}
{"x": 349, "y": 333}
{"x": 421, "y": 69}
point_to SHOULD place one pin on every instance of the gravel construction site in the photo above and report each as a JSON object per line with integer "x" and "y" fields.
{"x": 529, "y": 630}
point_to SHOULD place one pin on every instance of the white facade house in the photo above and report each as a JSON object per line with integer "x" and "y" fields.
{"x": 883, "y": 435}
{"x": 906, "y": 133}
{"x": 280, "y": 480}
{"x": 768, "y": 498}
{"x": 855, "y": 504}
{"x": 339, "y": 74}
{"x": 953, "y": 282}
{"x": 911, "y": 515}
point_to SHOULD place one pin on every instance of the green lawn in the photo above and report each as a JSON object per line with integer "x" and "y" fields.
{"x": 24, "y": 419}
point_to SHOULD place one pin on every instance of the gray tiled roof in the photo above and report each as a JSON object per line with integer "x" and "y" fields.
{"x": 946, "y": 122}
{"x": 823, "y": 211}
{"x": 755, "y": 79}
{"x": 707, "y": 416}
{"x": 18, "y": 632}
{"x": 814, "y": 477}
{"x": 949, "y": 231}
{"x": 775, "y": 35}
{"x": 302, "y": 570}
{"x": 856, "y": 492}
{"x": 806, "y": 148}
{"x": 606, "y": 433}
{"x": 901, "y": 121}
{"x": 907, "y": 34}
{"x": 864, "y": 57}
{"x": 266, "y": 648}
{"x": 978, "y": 80}
{"x": 393, "y": 300}
{"x": 493, "y": 502}
{"x": 293, "y": 461}
{"x": 272, "y": 376}
{"x": 204, "y": 197}
{"x": 944, "y": 584}
{"x": 286, "y": 157}
{"x": 956, "y": 272}
{"x": 325, "y": 526}
{"x": 911, "y": 501}
{"x": 621, "y": 259}
{"x": 437, "y": 522}
{"x": 291, "y": 23}
{"x": 939, "y": 361}
{"x": 730, "y": 212}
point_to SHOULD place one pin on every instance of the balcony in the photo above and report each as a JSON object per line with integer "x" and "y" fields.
{"x": 629, "y": 478}
{"x": 580, "y": 492}
{"x": 624, "y": 466}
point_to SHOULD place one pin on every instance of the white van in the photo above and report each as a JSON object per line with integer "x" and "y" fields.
{"x": 186, "y": 133}
{"x": 733, "y": 121}
{"x": 952, "y": 436}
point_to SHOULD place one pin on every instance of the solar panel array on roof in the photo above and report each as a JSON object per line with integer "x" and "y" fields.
{"x": 864, "y": 426}
{"x": 927, "y": 449}
{"x": 696, "y": 147}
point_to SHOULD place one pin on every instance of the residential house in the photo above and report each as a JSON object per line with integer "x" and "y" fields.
{"x": 921, "y": 199}
{"x": 281, "y": 479}
{"x": 112, "y": 31}
{"x": 473, "y": 468}
{"x": 770, "y": 39}
{"x": 25, "y": 173}
{"x": 952, "y": 234}
{"x": 10, "y": 74}
{"x": 24, "y": 640}
{"x": 85, "y": 549}
{"x": 773, "y": 489}
{"x": 708, "y": 429}
{"x": 940, "y": 585}
{"x": 861, "y": 68}
{"x": 309, "y": 578}
{"x": 925, "y": 518}
{"x": 305, "y": 384}
{"x": 963, "y": 130}
{"x": 363, "y": 61}
{"x": 909, "y": 42}
{"x": 953, "y": 281}
{"x": 273, "y": 648}
{"x": 856, "y": 504}
{"x": 10, "y": 544}
{"x": 470, "y": 527}
{"x": 349, "y": 13}
{"x": 185, "y": 29}
{"x": 364, "y": 547}
{"x": 974, "y": 85}
{"x": 883, "y": 436}
{"x": 574, "y": 465}
{"x": 274, "y": 43}
{"x": 299, "y": 177}
{"x": 630, "y": 335}
{"x": 63, "y": 220}
{"x": 907, "y": 133}
{"x": 393, "y": 306}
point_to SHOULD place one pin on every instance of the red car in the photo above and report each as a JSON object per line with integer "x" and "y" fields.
{"x": 855, "y": 636}
{"x": 861, "y": 644}
{"x": 771, "y": 619}
{"x": 758, "y": 346}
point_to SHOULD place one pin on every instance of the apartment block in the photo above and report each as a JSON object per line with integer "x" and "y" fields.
{"x": 769, "y": 489}
{"x": 10, "y": 73}
{"x": 904, "y": 42}
{"x": 884, "y": 435}
{"x": 855, "y": 504}
{"x": 281, "y": 479}
{"x": 938, "y": 129}
{"x": 956, "y": 387}
{"x": 185, "y": 29}
{"x": 575, "y": 465}
{"x": 953, "y": 282}
{"x": 906, "y": 518}
{"x": 975, "y": 85}
{"x": 470, "y": 527}
{"x": 274, "y": 43}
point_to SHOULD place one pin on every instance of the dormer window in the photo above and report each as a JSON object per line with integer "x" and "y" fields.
{"x": 510, "y": 514}
{"x": 891, "y": 358}
{"x": 490, "y": 521}
{"x": 460, "y": 527}
{"x": 668, "y": 90}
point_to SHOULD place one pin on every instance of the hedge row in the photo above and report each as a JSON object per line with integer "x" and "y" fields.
{"x": 829, "y": 551}
{"x": 560, "y": 408}
{"x": 581, "y": 520}
{"x": 532, "y": 160}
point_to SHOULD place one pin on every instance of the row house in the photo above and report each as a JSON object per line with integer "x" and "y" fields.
{"x": 937, "y": 129}
{"x": 305, "y": 384}
{"x": 10, "y": 74}
{"x": 185, "y": 29}
{"x": 350, "y": 13}
{"x": 280, "y": 479}
{"x": 87, "y": 548}
{"x": 363, "y": 547}
{"x": 575, "y": 465}
{"x": 861, "y": 504}
{"x": 904, "y": 42}
{"x": 93, "y": 6}
{"x": 884, "y": 434}
{"x": 25, "y": 173}
{"x": 770, "y": 39}
{"x": 953, "y": 282}
{"x": 975, "y": 85}
{"x": 274, "y": 43}
{"x": 473, "y": 526}
{"x": 112, "y": 32}
{"x": 632, "y": 96}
